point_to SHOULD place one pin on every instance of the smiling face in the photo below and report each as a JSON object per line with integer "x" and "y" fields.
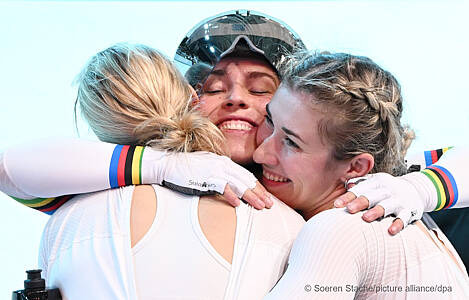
{"x": 234, "y": 97}
{"x": 298, "y": 167}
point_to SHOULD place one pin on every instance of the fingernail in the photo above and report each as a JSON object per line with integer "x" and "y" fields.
{"x": 269, "y": 201}
{"x": 393, "y": 230}
{"x": 351, "y": 207}
{"x": 338, "y": 203}
{"x": 261, "y": 203}
{"x": 368, "y": 216}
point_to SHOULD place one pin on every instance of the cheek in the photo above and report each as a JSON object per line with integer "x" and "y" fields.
{"x": 263, "y": 132}
{"x": 208, "y": 104}
{"x": 302, "y": 170}
{"x": 260, "y": 105}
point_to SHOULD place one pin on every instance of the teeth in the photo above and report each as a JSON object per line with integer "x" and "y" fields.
{"x": 235, "y": 125}
{"x": 274, "y": 177}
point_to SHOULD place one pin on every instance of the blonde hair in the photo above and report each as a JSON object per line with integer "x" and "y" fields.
{"x": 362, "y": 102}
{"x": 132, "y": 94}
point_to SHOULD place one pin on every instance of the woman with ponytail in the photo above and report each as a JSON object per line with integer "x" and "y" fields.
{"x": 146, "y": 241}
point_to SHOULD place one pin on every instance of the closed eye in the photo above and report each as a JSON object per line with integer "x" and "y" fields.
{"x": 290, "y": 143}
{"x": 213, "y": 91}
{"x": 260, "y": 92}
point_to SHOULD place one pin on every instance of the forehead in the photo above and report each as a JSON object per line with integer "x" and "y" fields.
{"x": 294, "y": 110}
{"x": 245, "y": 65}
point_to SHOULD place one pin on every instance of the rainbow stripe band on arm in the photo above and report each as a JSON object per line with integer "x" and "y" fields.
{"x": 126, "y": 166}
{"x": 445, "y": 185}
{"x": 433, "y": 156}
{"x": 46, "y": 205}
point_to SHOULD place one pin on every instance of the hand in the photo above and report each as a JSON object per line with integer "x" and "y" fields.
{"x": 385, "y": 195}
{"x": 203, "y": 173}
{"x": 258, "y": 197}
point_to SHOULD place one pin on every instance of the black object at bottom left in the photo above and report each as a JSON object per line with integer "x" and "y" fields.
{"x": 35, "y": 289}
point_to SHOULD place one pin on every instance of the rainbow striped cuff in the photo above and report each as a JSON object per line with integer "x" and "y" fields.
{"x": 433, "y": 156}
{"x": 46, "y": 205}
{"x": 126, "y": 166}
{"x": 445, "y": 185}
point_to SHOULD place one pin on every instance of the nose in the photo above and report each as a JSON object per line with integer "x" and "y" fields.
{"x": 266, "y": 152}
{"x": 237, "y": 98}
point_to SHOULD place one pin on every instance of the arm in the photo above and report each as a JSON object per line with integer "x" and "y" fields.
{"x": 421, "y": 160}
{"x": 326, "y": 259}
{"x": 438, "y": 186}
{"x": 46, "y": 205}
{"x": 72, "y": 166}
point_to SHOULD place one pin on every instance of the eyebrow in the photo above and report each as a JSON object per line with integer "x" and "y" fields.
{"x": 286, "y": 130}
{"x": 262, "y": 74}
{"x": 218, "y": 72}
{"x": 252, "y": 75}
{"x": 289, "y": 132}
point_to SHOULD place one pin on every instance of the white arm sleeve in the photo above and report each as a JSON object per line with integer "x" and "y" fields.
{"x": 328, "y": 259}
{"x": 51, "y": 168}
{"x": 6, "y": 184}
{"x": 455, "y": 165}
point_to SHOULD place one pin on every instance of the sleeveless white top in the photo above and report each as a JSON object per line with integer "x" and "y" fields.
{"x": 85, "y": 250}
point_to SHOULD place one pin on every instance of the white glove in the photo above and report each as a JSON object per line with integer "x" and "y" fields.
{"x": 196, "y": 173}
{"x": 407, "y": 197}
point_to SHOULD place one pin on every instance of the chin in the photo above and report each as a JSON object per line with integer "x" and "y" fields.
{"x": 281, "y": 194}
{"x": 242, "y": 158}
{"x": 241, "y": 152}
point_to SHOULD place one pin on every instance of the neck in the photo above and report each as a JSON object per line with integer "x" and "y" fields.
{"x": 324, "y": 204}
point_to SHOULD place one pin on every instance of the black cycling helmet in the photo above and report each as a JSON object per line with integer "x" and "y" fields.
{"x": 233, "y": 31}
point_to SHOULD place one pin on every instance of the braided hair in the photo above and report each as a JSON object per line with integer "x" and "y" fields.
{"x": 362, "y": 104}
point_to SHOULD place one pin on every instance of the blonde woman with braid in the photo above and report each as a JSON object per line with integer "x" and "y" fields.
{"x": 333, "y": 118}
{"x": 146, "y": 241}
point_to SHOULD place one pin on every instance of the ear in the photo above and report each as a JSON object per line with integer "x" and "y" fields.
{"x": 359, "y": 166}
{"x": 195, "y": 98}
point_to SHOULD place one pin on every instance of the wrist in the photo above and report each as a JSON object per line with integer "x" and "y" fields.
{"x": 150, "y": 166}
{"x": 425, "y": 190}
{"x": 444, "y": 185}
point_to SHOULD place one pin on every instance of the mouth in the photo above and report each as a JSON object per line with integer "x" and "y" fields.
{"x": 236, "y": 125}
{"x": 273, "y": 179}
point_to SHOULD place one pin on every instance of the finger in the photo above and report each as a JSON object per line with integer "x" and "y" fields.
{"x": 404, "y": 215}
{"x": 263, "y": 194}
{"x": 358, "y": 204}
{"x": 396, "y": 226}
{"x": 237, "y": 186}
{"x": 344, "y": 199}
{"x": 390, "y": 207}
{"x": 373, "y": 214}
{"x": 374, "y": 195}
{"x": 231, "y": 197}
{"x": 252, "y": 199}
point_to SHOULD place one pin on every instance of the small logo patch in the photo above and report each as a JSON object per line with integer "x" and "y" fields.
{"x": 202, "y": 185}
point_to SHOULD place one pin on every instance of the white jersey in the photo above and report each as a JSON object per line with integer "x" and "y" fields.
{"x": 339, "y": 256}
{"x": 86, "y": 252}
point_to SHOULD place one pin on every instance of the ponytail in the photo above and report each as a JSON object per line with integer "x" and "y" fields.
{"x": 132, "y": 94}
